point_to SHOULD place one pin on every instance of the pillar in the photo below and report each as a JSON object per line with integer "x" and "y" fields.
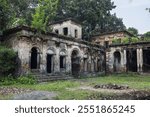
{"x": 125, "y": 60}
{"x": 139, "y": 60}
{"x": 56, "y": 61}
{"x": 68, "y": 62}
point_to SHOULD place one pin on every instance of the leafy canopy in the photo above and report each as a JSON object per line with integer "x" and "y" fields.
{"x": 133, "y": 31}
{"x": 94, "y": 15}
{"x": 44, "y": 13}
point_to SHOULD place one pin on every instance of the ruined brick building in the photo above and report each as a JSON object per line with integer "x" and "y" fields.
{"x": 63, "y": 52}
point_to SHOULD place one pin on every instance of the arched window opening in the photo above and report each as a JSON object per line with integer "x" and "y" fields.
{"x": 35, "y": 58}
{"x": 75, "y": 59}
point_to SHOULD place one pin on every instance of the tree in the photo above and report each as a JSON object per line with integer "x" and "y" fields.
{"x": 44, "y": 13}
{"x": 133, "y": 31}
{"x": 23, "y": 10}
{"x": 146, "y": 36}
{"x": 5, "y": 14}
{"x": 94, "y": 15}
{"x": 15, "y": 12}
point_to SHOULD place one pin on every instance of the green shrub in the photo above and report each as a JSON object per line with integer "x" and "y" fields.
{"x": 8, "y": 61}
{"x": 9, "y": 80}
{"x": 130, "y": 40}
{"x": 26, "y": 80}
{"x": 116, "y": 41}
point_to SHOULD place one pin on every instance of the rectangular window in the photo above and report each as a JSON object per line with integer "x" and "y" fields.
{"x": 76, "y": 33}
{"x": 57, "y": 31}
{"x": 106, "y": 44}
{"x": 65, "y": 31}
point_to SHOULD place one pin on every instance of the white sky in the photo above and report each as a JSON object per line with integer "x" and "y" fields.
{"x": 134, "y": 13}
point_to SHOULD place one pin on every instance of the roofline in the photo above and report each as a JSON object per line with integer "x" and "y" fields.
{"x": 20, "y": 28}
{"x": 106, "y": 33}
{"x": 64, "y": 20}
{"x": 127, "y": 44}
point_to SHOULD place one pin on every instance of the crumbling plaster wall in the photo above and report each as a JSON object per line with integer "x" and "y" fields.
{"x": 110, "y": 59}
{"x": 24, "y": 41}
{"x": 71, "y": 28}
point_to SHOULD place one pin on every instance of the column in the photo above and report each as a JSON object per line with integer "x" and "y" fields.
{"x": 68, "y": 62}
{"x": 56, "y": 61}
{"x": 141, "y": 60}
{"x": 125, "y": 60}
{"x": 138, "y": 60}
{"x": 81, "y": 65}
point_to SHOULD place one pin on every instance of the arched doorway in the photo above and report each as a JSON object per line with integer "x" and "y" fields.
{"x": 131, "y": 60}
{"x": 50, "y": 61}
{"x": 35, "y": 58}
{"x": 117, "y": 61}
{"x": 75, "y": 60}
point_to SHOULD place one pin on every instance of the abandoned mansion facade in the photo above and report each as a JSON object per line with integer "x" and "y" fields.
{"x": 63, "y": 51}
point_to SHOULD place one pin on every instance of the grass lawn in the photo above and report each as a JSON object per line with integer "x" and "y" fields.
{"x": 134, "y": 81}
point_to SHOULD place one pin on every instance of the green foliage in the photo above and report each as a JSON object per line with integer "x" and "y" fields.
{"x": 146, "y": 37}
{"x": 44, "y": 13}
{"x": 147, "y": 34}
{"x": 9, "y": 80}
{"x": 38, "y": 19}
{"x": 116, "y": 41}
{"x": 71, "y": 89}
{"x": 133, "y": 31}
{"x": 15, "y": 12}
{"x": 5, "y": 14}
{"x": 94, "y": 15}
{"x": 125, "y": 40}
{"x": 26, "y": 80}
{"x": 8, "y": 61}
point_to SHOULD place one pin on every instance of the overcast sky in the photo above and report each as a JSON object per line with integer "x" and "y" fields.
{"x": 134, "y": 14}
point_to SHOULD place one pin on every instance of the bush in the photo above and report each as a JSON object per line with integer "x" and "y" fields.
{"x": 26, "y": 80}
{"x": 8, "y": 61}
{"x": 130, "y": 40}
{"x": 116, "y": 41}
{"x": 9, "y": 80}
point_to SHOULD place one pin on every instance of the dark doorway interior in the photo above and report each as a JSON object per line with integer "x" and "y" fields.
{"x": 49, "y": 63}
{"x": 146, "y": 60}
{"x": 132, "y": 60}
{"x": 62, "y": 62}
{"x": 65, "y": 30}
{"x": 34, "y": 58}
{"x": 75, "y": 63}
{"x": 117, "y": 61}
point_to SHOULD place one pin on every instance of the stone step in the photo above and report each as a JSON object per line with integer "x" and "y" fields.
{"x": 47, "y": 77}
{"x": 53, "y": 79}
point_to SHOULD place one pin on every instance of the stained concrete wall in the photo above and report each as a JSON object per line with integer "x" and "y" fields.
{"x": 71, "y": 28}
{"x": 110, "y": 58}
{"x": 23, "y": 41}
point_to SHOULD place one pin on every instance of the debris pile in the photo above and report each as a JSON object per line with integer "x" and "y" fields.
{"x": 111, "y": 86}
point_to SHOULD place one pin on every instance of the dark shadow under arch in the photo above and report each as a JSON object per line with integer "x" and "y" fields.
{"x": 75, "y": 60}
{"x": 35, "y": 58}
{"x": 117, "y": 61}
